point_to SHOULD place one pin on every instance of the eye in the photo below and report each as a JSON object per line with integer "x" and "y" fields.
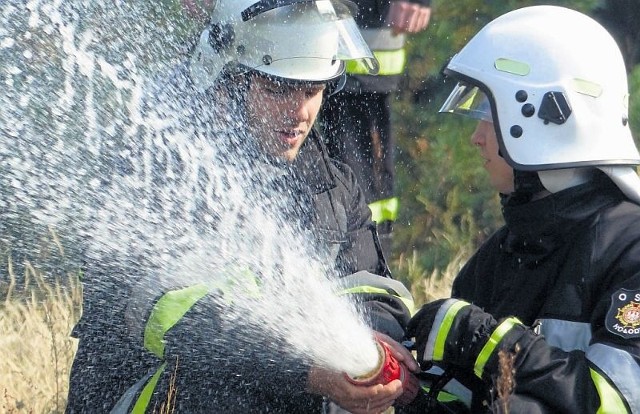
{"x": 276, "y": 90}
{"x": 313, "y": 91}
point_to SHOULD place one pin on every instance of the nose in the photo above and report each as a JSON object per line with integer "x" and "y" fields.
{"x": 298, "y": 110}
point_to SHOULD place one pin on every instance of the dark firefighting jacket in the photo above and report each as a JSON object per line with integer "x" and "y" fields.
{"x": 568, "y": 268}
{"x": 179, "y": 342}
{"x": 388, "y": 48}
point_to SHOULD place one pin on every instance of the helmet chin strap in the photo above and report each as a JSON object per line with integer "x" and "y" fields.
{"x": 526, "y": 185}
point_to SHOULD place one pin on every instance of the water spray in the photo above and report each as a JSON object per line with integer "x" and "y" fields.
{"x": 388, "y": 369}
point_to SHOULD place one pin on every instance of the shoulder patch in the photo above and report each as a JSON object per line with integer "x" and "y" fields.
{"x": 623, "y": 317}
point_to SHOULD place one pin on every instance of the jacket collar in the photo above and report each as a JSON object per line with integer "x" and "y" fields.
{"x": 536, "y": 228}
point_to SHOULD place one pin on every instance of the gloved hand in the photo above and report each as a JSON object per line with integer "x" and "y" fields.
{"x": 458, "y": 333}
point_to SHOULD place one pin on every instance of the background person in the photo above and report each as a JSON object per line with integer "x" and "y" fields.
{"x": 544, "y": 317}
{"x": 357, "y": 120}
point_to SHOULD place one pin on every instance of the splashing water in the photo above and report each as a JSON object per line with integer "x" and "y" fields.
{"x": 121, "y": 162}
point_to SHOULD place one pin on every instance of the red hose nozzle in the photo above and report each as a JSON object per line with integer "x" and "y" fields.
{"x": 389, "y": 369}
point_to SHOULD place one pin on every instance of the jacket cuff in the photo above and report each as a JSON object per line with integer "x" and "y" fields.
{"x": 491, "y": 348}
{"x": 513, "y": 339}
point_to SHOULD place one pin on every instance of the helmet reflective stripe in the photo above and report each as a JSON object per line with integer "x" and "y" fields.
{"x": 266, "y": 5}
{"x": 297, "y": 40}
{"x": 559, "y": 94}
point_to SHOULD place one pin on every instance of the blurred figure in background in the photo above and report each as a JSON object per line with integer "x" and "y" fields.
{"x": 357, "y": 121}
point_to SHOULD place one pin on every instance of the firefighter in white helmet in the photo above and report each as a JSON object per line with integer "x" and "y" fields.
{"x": 268, "y": 64}
{"x": 557, "y": 289}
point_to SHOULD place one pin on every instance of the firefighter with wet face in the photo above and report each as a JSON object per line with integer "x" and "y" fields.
{"x": 272, "y": 62}
{"x": 545, "y": 317}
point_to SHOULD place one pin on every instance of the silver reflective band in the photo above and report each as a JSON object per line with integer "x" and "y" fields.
{"x": 468, "y": 100}
{"x": 621, "y": 368}
{"x": 566, "y": 335}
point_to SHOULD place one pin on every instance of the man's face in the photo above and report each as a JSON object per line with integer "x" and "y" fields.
{"x": 281, "y": 115}
{"x": 500, "y": 173}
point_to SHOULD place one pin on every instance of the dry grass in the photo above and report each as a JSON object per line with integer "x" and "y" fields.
{"x": 506, "y": 381}
{"x": 36, "y": 319}
{"x": 429, "y": 286}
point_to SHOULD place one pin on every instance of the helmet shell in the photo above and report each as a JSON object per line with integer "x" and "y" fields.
{"x": 557, "y": 86}
{"x": 294, "y": 39}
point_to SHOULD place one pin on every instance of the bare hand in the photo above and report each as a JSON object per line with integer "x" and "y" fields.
{"x": 399, "y": 352}
{"x": 406, "y": 17}
{"x": 357, "y": 399}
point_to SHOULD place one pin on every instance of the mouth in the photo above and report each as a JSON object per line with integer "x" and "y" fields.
{"x": 289, "y": 136}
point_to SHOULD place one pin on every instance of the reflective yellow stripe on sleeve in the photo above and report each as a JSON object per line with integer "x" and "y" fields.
{"x": 143, "y": 401}
{"x": 172, "y": 306}
{"x": 488, "y": 348}
{"x": 445, "y": 327}
{"x": 610, "y": 400}
{"x": 392, "y": 62}
{"x": 385, "y": 210}
{"x": 370, "y": 289}
{"x": 169, "y": 309}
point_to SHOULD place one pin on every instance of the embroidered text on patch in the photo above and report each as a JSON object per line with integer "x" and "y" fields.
{"x": 623, "y": 317}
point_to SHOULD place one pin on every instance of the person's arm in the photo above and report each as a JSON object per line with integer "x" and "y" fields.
{"x": 545, "y": 378}
{"x": 386, "y": 302}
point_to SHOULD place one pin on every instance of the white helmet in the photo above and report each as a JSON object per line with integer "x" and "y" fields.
{"x": 557, "y": 88}
{"x": 300, "y": 40}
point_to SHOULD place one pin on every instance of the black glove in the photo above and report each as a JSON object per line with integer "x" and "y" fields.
{"x": 458, "y": 333}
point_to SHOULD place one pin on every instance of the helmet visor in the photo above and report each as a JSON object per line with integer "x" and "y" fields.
{"x": 352, "y": 45}
{"x": 309, "y": 37}
{"x": 468, "y": 100}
